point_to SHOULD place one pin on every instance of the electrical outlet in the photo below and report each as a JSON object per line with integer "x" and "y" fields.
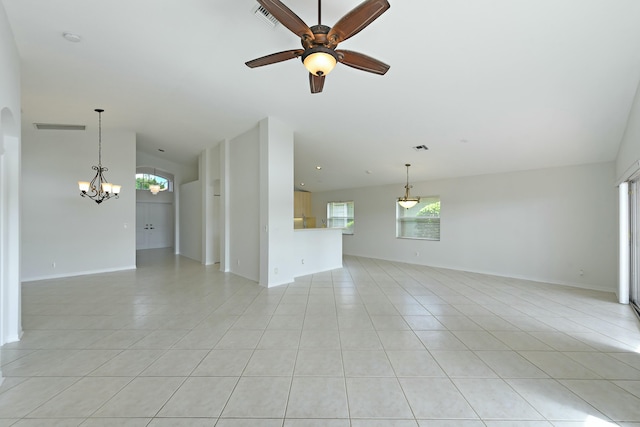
{"x": 53, "y": 264}
{"x": 237, "y": 262}
{"x": 417, "y": 253}
{"x": 275, "y": 270}
{"x": 303, "y": 260}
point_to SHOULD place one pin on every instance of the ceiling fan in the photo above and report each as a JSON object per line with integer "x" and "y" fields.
{"x": 319, "y": 55}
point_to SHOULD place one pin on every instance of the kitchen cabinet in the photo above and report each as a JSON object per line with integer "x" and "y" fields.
{"x": 301, "y": 204}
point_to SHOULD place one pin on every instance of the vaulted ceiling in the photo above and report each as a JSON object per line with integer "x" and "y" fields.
{"x": 488, "y": 85}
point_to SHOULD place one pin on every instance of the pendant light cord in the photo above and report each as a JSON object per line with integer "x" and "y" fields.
{"x": 100, "y": 140}
{"x": 406, "y": 194}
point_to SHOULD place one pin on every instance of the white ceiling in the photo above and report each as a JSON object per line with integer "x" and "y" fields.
{"x": 488, "y": 85}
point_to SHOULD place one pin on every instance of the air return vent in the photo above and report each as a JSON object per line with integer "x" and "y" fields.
{"x": 265, "y": 16}
{"x": 55, "y": 126}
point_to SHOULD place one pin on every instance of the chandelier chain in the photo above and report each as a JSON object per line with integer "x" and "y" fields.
{"x": 100, "y": 139}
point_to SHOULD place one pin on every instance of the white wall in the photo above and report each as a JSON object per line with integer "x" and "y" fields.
{"x": 210, "y": 177}
{"x": 257, "y": 196}
{"x": 191, "y": 220}
{"x": 243, "y": 199}
{"x": 316, "y": 250}
{"x": 10, "y": 186}
{"x": 629, "y": 151}
{"x": 65, "y": 234}
{"x": 543, "y": 225}
{"x": 182, "y": 174}
{"x": 276, "y": 203}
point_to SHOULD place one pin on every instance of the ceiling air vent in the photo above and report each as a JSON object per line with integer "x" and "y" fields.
{"x": 265, "y": 16}
{"x": 54, "y": 126}
{"x": 421, "y": 148}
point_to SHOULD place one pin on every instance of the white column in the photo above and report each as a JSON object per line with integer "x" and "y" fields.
{"x": 624, "y": 255}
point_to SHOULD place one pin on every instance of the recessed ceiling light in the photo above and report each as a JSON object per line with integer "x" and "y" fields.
{"x": 318, "y": 167}
{"x": 369, "y": 172}
{"x": 464, "y": 141}
{"x": 302, "y": 184}
{"x": 74, "y": 38}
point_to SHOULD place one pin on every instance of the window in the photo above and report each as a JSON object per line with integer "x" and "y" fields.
{"x": 340, "y": 215}
{"x": 421, "y": 221}
{"x": 144, "y": 180}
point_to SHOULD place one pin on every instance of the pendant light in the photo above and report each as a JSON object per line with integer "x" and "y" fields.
{"x": 155, "y": 188}
{"x": 99, "y": 189}
{"x": 407, "y": 201}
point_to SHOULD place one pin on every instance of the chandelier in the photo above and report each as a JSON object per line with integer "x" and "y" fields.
{"x": 407, "y": 201}
{"x": 99, "y": 189}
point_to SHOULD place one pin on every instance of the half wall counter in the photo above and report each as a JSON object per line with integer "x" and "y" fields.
{"x": 317, "y": 250}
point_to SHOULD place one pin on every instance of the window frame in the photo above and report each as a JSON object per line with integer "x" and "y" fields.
{"x": 424, "y": 219}
{"x": 148, "y": 177}
{"x": 348, "y": 230}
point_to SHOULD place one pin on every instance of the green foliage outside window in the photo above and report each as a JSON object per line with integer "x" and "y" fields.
{"x": 143, "y": 181}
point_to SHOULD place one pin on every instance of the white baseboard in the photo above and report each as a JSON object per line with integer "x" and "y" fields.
{"x": 77, "y": 273}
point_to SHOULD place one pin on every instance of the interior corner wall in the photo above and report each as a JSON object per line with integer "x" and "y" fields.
{"x": 10, "y": 186}
{"x": 242, "y": 196}
{"x": 181, "y": 174}
{"x": 553, "y": 225}
{"x": 191, "y": 220}
{"x": 64, "y": 234}
{"x": 276, "y": 203}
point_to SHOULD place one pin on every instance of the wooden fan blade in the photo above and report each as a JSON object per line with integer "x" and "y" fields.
{"x": 274, "y": 57}
{"x": 286, "y": 17}
{"x": 316, "y": 83}
{"x": 362, "y": 62}
{"x": 353, "y": 22}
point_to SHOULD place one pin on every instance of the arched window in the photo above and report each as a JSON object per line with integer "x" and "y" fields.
{"x": 149, "y": 176}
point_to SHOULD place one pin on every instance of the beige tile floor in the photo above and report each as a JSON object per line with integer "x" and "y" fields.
{"x": 373, "y": 344}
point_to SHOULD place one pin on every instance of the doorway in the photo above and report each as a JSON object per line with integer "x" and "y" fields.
{"x": 155, "y": 210}
{"x": 154, "y": 225}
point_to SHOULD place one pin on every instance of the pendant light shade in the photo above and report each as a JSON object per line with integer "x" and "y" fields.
{"x": 407, "y": 201}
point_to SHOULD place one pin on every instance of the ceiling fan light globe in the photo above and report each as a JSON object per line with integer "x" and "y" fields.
{"x": 319, "y": 60}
